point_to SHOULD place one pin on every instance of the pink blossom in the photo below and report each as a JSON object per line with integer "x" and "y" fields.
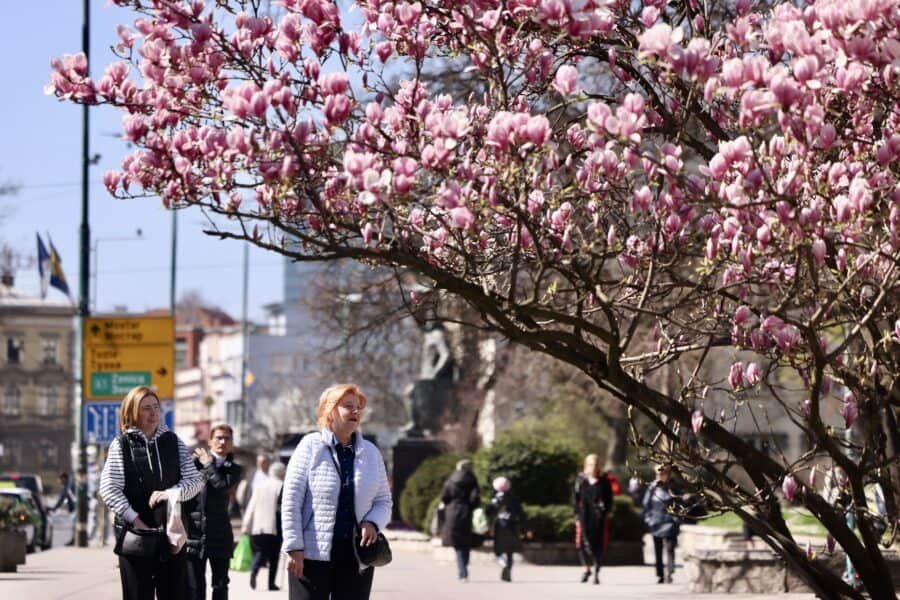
{"x": 818, "y": 250}
{"x": 789, "y": 487}
{"x": 849, "y": 410}
{"x": 697, "y": 420}
{"x": 111, "y": 180}
{"x": 334, "y": 83}
{"x": 566, "y": 80}
{"x": 735, "y": 374}
{"x": 461, "y": 217}
{"x": 812, "y": 476}
{"x": 537, "y": 130}
{"x": 751, "y": 374}
{"x": 367, "y": 233}
{"x": 742, "y": 315}
{"x": 337, "y": 109}
{"x": 655, "y": 42}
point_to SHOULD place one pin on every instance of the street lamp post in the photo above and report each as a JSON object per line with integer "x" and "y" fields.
{"x": 95, "y": 250}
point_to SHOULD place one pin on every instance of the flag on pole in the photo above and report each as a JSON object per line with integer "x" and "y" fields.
{"x": 43, "y": 266}
{"x": 57, "y": 277}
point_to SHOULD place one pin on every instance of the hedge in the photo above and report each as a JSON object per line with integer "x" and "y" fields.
{"x": 542, "y": 472}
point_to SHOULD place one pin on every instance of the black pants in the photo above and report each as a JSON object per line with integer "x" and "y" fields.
{"x": 337, "y": 579}
{"x": 265, "y": 551}
{"x": 658, "y": 544}
{"x": 142, "y": 578}
{"x": 196, "y": 578}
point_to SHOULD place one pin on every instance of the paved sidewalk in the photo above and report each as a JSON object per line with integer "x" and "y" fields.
{"x": 91, "y": 574}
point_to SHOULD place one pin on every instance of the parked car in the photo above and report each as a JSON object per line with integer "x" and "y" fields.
{"x": 31, "y": 522}
{"x": 33, "y": 483}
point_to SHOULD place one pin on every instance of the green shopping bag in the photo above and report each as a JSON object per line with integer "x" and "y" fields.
{"x": 242, "y": 556}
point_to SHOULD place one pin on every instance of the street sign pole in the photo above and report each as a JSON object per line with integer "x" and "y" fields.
{"x": 83, "y": 299}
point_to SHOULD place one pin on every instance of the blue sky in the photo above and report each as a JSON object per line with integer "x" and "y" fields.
{"x": 40, "y": 148}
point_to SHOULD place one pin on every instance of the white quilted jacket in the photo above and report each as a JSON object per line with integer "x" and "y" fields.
{"x": 312, "y": 486}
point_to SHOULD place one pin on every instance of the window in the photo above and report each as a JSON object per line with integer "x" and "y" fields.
{"x": 15, "y": 350}
{"x": 12, "y": 400}
{"x": 11, "y": 454}
{"x": 49, "y": 401}
{"x": 49, "y": 351}
{"x": 49, "y": 456}
{"x": 181, "y": 354}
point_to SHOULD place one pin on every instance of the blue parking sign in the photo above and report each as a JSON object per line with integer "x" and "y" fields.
{"x": 101, "y": 420}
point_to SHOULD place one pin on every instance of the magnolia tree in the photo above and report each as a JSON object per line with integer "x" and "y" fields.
{"x": 723, "y": 183}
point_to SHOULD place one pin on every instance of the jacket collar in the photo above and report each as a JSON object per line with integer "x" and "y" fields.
{"x": 331, "y": 440}
{"x": 161, "y": 429}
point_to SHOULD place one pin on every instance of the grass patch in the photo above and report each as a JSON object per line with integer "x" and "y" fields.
{"x": 799, "y": 521}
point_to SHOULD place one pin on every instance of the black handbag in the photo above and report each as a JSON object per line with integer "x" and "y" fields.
{"x": 377, "y": 554}
{"x": 139, "y": 543}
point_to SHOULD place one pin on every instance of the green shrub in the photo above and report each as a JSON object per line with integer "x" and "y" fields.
{"x": 625, "y": 521}
{"x": 542, "y": 471}
{"x": 553, "y": 523}
{"x": 423, "y": 486}
{"x": 15, "y": 514}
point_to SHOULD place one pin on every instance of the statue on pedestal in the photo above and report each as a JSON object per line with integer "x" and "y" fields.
{"x": 427, "y": 397}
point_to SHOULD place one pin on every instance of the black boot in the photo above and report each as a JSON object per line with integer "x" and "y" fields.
{"x": 596, "y": 575}
{"x": 585, "y": 576}
{"x": 505, "y": 574}
{"x": 253, "y": 580}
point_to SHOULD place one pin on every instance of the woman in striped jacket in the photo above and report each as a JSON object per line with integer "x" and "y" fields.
{"x": 148, "y": 470}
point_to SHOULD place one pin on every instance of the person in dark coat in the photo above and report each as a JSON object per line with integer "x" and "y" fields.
{"x": 593, "y": 499}
{"x": 207, "y": 520}
{"x": 661, "y": 523}
{"x": 509, "y": 520}
{"x": 460, "y": 496}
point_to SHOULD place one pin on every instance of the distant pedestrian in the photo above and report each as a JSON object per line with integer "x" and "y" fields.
{"x": 148, "y": 471}
{"x": 593, "y": 499}
{"x": 660, "y": 500}
{"x": 262, "y": 522}
{"x": 208, "y": 525}
{"x": 254, "y": 479}
{"x": 336, "y": 496}
{"x": 66, "y": 494}
{"x": 509, "y": 520}
{"x": 460, "y": 496}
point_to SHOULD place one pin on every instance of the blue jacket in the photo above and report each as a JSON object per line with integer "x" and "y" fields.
{"x": 659, "y": 521}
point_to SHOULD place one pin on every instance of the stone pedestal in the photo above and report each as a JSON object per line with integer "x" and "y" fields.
{"x": 408, "y": 455}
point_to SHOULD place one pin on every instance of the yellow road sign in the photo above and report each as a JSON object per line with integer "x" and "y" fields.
{"x": 122, "y": 352}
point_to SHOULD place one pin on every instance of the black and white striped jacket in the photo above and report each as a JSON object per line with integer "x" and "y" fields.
{"x": 112, "y": 479}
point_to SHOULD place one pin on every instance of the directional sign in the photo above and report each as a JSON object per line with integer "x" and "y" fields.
{"x": 123, "y": 352}
{"x": 101, "y": 423}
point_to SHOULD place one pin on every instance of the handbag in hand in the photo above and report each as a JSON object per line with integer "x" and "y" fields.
{"x": 139, "y": 543}
{"x": 376, "y": 554}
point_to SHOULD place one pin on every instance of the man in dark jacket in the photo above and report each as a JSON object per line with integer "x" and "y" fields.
{"x": 206, "y": 518}
{"x": 460, "y": 496}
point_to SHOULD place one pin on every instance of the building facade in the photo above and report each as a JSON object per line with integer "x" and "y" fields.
{"x": 37, "y": 427}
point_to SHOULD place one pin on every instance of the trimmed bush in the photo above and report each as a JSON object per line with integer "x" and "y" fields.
{"x": 423, "y": 486}
{"x": 553, "y": 523}
{"x": 542, "y": 472}
{"x": 429, "y": 516}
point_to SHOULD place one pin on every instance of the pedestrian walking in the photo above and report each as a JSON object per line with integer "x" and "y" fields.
{"x": 460, "y": 496}
{"x": 508, "y": 520}
{"x": 210, "y": 538}
{"x": 254, "y": 479}
{"x": 336, "y": 497}
{"x": 660, "y": 500}
{"x": 66, "y": 494}
{"x": 148, "y": 472}
{"x": 593, "y": 498}
{"x": 262, "y": 522}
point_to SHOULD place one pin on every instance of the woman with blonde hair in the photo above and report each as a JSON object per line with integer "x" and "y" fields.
{"x": 335, "y": 491}
{"x": 148, "y": 472}
{"x": 593, "y": 498}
